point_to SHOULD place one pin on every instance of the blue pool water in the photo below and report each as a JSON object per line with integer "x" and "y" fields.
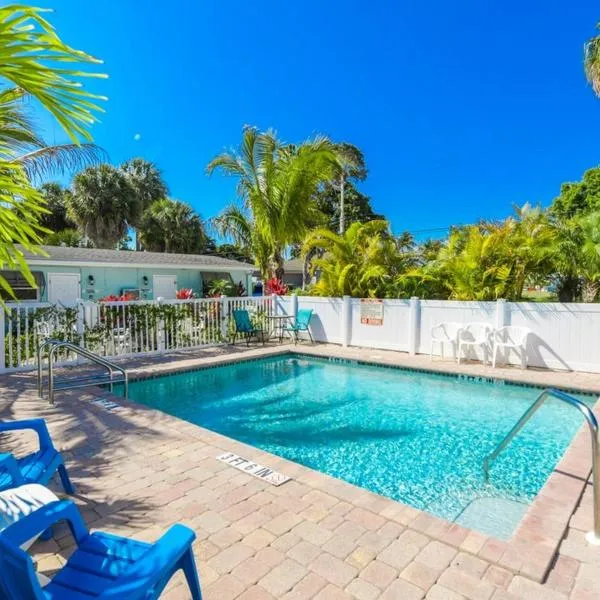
{"x": 416, "y": 437}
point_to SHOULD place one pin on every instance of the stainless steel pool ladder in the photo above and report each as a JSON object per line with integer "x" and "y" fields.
{"x": 593, "y": 537}
{"x": 109, "y": 379}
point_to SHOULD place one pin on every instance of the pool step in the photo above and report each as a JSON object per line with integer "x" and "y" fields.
{"x": 498, "y": 517}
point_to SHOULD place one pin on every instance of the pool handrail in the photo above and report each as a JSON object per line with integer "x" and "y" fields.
{"x": 593, "y": 537}
{"x": 95, "y": 358}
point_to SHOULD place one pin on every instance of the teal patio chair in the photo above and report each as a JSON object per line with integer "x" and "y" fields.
{"x": 244, "y": 327}
{"x": 302, "y": 323}
{"x": 37, "y": 467}
{"x": 103, "y": 566}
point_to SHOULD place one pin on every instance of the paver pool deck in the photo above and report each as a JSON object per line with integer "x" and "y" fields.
{"x": 138, "y": 470}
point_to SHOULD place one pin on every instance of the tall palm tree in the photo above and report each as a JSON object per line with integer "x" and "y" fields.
{"x": 591, "y": 62}
{"x": 103, "y": 204}
{"x": 276, "y": 184}
{"x": 34, "y": 59}
{"x": 172, "y": 226}
{"x": 147, "y": 182}
{"x": 350, "y": 162}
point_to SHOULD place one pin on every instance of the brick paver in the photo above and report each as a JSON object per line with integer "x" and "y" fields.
{"x": 138, "y": 470}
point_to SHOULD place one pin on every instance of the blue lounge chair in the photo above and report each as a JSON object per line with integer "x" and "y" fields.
{"x": 244, "y": 327}
{"x": 103, "y": 567}
{"x": 37, "y": 467}
{"x": 301, "y": 323}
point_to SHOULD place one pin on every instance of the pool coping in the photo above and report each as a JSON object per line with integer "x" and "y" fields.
{"x": 534, "y": 544}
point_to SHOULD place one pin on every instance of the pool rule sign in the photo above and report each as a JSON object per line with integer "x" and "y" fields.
{"x": 371, "y": 311}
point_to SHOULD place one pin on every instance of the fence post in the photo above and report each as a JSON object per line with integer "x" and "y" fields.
{"x": 2, "y": 341}
{"x": 414, "y": 325}
{"x": 294, "y": 306}
{"x": 224, "y": 318}
{"x": 80, "y": 327}
{"x": 501, "y": 320}
{"x": 160, "y": 329}
{"x": 346, "y": 321}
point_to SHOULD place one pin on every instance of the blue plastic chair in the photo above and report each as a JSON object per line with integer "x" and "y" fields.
{"x": 244, "y": 327}
{"x": 301, "y": 323}
{"x": 103, "y": 567}
{"x": 37, "y": 467}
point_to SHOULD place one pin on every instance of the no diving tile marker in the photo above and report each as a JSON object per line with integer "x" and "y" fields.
{"x": 254, "y": 469}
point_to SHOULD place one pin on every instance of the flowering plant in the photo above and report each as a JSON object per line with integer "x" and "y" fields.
{"x": 115, "y": 298}
{"x": 184, "y": 294}
{"x": 275, "y": 286}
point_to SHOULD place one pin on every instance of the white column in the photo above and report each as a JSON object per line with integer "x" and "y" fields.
{"x": 346, "y": 321}
{"x": 414, "y": 325}
{"x": 224, "y": 318}
{"x": 501, "y": 313}
{"x": 161, "y": 334}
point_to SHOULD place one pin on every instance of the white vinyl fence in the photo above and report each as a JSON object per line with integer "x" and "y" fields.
{"x": 121, "y": 328}
{"x": 563, "y": 336}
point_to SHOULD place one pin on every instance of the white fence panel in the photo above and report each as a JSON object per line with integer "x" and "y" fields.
{"x": 393, "y": 334}
{"x": 434, "y": 312}
{"x": 564, "y": 336}
{"x": 326, "y": 322}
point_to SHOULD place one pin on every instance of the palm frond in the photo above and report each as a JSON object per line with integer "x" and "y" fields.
{"x": 32, "y": 55}
{"x": 60, "y": 160}
{"x": 591, "y": 63}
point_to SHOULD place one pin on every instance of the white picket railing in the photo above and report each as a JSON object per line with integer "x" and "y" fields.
{"x": 122, "y": 328}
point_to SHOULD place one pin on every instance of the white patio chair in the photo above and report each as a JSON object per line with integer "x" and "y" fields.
{"x": 445, "y": 333}
{"x": 511, "y": 338}
{"x": 475, "y": 335}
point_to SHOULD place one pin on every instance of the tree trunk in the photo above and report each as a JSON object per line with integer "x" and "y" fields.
{"x": 342, "y": 207}
{"x": 276, "y": 265}
{"x": 589, "y": 290}
{"x": 568, "y": 288}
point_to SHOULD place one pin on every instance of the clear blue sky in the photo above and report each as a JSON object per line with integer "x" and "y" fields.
{"x": 462, "y": 108}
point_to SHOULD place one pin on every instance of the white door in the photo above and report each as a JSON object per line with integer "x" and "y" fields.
{"x": 165, "y": 286}
{"x": 64, "y": 288}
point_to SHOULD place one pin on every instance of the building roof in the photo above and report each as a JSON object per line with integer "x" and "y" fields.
{"x": 128, "y": 258}
{"x": 295, "y": 265}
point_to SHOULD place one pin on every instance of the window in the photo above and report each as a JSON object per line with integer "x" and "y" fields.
{"x": 208, "y": 277}
{"x": 20, "y": 286}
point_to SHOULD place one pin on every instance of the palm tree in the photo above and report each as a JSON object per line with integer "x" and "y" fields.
{"x": 276, "y": 184}
{"x": 591, "y": 62}
{"x": 56, "y": 200}
{"x": 350, "y": 162}
{"x": 147, "y": 182}
{"x": 361, "y": 263}
{"x": 34, "y": 59}
{"x": 172, "y": 226}
{"x": 103, "y": 204}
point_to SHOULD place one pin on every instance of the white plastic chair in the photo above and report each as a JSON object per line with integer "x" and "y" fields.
{"x": 475, "y": 335}
{"x": 511, "y": 338}
{"x": 445, "y": 333}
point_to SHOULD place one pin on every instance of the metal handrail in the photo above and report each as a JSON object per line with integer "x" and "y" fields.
{"x": 593, "y": 537}
{"x": 95, "y": 358}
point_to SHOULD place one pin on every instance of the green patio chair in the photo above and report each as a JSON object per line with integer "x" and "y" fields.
{"x": 244, "y": 327}
{"x": 302, "y": 323}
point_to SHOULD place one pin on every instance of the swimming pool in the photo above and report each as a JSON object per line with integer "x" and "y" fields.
{"x": 416, "y": 437}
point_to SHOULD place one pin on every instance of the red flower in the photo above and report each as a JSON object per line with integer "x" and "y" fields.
{"x": 184, "y": 294}
{"x": 275, "y": 286}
